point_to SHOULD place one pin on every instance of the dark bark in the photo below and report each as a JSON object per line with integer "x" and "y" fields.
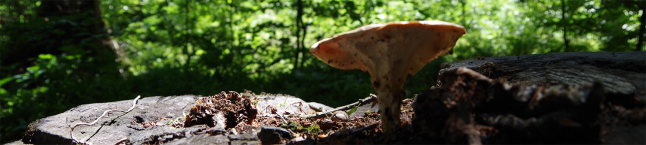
{"x": 102, "y": 49}
{"x": 19, "y": 51}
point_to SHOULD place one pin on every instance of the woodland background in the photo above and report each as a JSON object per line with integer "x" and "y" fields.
{"x": 58, "y": 54}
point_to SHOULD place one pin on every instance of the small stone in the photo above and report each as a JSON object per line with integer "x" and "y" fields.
{"x": 340, "y": 116}
{"x": 274, "y": 135}
{"x": 139, "y": 119}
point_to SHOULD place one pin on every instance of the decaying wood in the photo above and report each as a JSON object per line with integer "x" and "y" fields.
{"x": 134, "y": 103}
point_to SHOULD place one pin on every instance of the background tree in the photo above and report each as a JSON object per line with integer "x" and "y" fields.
{"x": 53, "y": 45}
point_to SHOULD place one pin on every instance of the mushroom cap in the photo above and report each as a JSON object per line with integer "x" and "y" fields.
{"x": 396, "y": 48}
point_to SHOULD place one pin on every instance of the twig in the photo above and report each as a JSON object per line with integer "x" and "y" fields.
{"x": 300, "y": 106}
{"x": 371, "y": 126}
{"x": 134, "y": 103}
{"x": 272, "y": 115}
{"x": 282, "y": 118}
{"x": 317, "y": 109}
{"x": 370, "y": 98}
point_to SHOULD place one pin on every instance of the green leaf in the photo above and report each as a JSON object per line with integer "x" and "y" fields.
{"x": 5, "y": 80}
{"x": 3, "y": 91}
{"x": 33, "y": 69}
{"x": 45, "y": 56}
{"x": 353, "y": 110}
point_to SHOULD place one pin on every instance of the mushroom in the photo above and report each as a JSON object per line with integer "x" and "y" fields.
{"x": 389, "y": 52}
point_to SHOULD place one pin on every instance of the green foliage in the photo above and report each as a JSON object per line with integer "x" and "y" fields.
{"x": 175, "y": 47}
{"x": 313, "y": 129}
{"x": 354, "y": 109}
{"x": 291, "y": 125}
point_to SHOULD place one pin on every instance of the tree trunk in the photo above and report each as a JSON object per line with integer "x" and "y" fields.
{"x": 299, "y": 24}
{"x": 464, "y": 15}
{"x": 303, "y": 50}
{"x": 185, "y": 50}
{"x": 78, "y": 13}
{"x": 22, "y": 50}
{"x": 642, "y": 28}
{"x": 565, "y": 24}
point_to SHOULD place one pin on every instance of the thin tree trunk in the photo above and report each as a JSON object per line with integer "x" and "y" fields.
{"x": 565, "y": 25}
{"x": 642, "y": 28}
{"x": 304, "y": 27}
{"x": 299, "y": 24}
{"x": 464, "y": 15}
{"x": 231, "y": 32}
{"x": 185, "y": 50}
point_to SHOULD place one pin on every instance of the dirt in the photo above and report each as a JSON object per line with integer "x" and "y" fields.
{"x": 240, "y": 115}
{"x": 223, "y": 111}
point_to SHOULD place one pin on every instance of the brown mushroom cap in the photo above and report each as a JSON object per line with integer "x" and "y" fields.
{"x": 407, "y": 44}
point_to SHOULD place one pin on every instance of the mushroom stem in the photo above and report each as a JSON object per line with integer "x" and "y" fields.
{"x": 390, "y": 106}
{"x": 390, "y": 92}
